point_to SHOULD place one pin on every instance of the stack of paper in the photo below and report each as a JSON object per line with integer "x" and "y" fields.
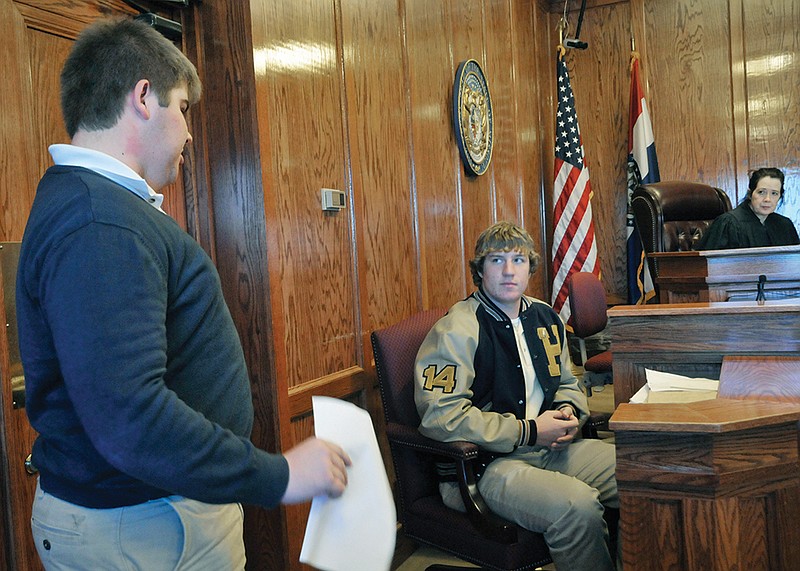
{"x": 668, "y": 387}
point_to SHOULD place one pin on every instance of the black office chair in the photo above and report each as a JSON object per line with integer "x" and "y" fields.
{"x": 477, "y": 536}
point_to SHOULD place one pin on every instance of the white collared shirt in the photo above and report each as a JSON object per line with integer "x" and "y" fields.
{"x": 107, "y": 166}
{"x": 534, "y": 392}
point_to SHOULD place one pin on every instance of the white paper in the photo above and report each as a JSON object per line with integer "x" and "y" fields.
{"x": 357, "y": 531}
{"x": 641, "y": 395}
{"x": 659, "y": 381}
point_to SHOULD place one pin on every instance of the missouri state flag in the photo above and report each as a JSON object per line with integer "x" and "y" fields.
{"x": 574, "y": 245}
{"x": 642, "y": 169}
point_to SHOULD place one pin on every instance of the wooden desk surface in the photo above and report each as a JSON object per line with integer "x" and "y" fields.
{"x": 709, "y": 416}
{"x": 790, "y": 305}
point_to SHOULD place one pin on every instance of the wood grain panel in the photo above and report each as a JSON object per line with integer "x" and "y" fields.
{"x": 232, "y": 173}
{"x": 527, "y": 32}
{"x": 442, "y": 249}
{"x": 651, "y": 533}
{"x": 500, "y": 67}
{"x": 602, "y": 106}
{"x": 689, "y": 69}
{"x": 772, "y": 64}
{"x": 739, "y": 96}
{"x": 313, "y": 255}
{"x": 753, "y": 529}
{"x": 51, "y": 51}
{"x": 545, "y": 31}
{"x": 297, "y": 514}
{"x": 18, "y": 174}
{"x": 469, "y": 41}
{"x": 378, "y": 139}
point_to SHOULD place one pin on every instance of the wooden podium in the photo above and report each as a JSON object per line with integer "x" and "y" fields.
{"x": 717, "y": 275}
{"x": 711, "y": 485}
{"x": 692, "y": 339}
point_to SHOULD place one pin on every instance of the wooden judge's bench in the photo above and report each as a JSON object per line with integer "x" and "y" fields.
{"x": 692, "y": 339}
{"x": 720, "y": 275}
{"x": 711, "y": 485}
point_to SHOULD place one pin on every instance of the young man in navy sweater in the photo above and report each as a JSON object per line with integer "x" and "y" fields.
{"x": 135, "y": 376}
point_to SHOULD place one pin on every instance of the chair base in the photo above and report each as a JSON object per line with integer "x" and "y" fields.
{"x": 598, "y": 381}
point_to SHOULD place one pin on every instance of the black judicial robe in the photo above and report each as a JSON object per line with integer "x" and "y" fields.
{"x": 741, "y": 228}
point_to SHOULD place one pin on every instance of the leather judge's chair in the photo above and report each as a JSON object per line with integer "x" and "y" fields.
{"x": 477, "y": 536}
{"x": 672, "y": 216}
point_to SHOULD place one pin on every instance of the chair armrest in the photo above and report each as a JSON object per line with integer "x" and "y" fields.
{"x": 411, "y": 437}
{"x": 465, "y": 455}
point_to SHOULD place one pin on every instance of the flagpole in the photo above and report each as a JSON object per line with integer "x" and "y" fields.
{"x": 574, "y": 246}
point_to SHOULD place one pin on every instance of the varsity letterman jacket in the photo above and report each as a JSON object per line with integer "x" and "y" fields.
{"x": 469, "y": 382}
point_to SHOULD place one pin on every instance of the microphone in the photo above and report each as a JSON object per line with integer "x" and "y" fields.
{"x": 760, "y": 297}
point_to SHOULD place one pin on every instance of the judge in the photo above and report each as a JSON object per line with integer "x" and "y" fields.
{"x": 754, "y": 222}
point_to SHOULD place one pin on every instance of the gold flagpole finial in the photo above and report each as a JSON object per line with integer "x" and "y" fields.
{"x": 562, "y": 28}
{"x": 634, "y": 53}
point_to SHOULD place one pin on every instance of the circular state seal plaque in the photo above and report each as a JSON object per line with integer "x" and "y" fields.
{"x": 472, "y": 117}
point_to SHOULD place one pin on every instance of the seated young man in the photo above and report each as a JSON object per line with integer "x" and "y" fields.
{"x": 496, "y": 371}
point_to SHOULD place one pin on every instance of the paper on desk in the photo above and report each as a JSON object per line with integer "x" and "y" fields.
{"x": 355, "y": 532}
{"x": 659, "y": 381}
{"x": 641, "y": 395}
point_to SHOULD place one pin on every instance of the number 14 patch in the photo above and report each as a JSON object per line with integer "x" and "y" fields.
{"x": 444, "y": 379}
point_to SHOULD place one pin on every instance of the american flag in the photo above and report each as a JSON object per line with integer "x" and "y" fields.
{"x": 574, "y": 247}
{"x": 642, "y": 169}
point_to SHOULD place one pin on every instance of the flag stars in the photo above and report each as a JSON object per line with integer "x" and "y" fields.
{"x": 568, "y": 144}
{"x": 573, "y": 240}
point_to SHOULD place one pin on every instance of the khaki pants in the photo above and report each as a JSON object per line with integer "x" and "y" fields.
{"x": 167, "y": 534}
{"x": 559, "y": 494}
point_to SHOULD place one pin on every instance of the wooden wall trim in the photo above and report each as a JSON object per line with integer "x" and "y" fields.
{"x": 338, "y": 385}
{"x": 231, "y": 139}
{"x": 741, "y": 155}
{"x": 51, "y": 17}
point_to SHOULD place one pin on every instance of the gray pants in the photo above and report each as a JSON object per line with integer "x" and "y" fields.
{"x": 559, "y": 494}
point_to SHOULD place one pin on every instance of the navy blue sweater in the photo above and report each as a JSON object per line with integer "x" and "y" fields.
{"x": 135, "y": 377}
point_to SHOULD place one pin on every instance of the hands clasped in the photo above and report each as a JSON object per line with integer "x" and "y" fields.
{"x": 316, "y": 467}
{"x": 556, "y": 428}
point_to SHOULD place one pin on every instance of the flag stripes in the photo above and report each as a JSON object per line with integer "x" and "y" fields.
{"x": 574, "y": 245}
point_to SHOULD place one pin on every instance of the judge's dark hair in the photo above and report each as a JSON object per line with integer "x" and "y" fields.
{"x": 502, "y": 237}
{"x": 107, "y": 60}
{"x": 758, "y": 174}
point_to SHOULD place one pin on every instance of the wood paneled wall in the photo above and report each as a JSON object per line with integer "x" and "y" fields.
{"x": 357, "y": 96}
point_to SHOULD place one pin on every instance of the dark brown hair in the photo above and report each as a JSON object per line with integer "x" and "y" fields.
{"x": 108, "y": 59}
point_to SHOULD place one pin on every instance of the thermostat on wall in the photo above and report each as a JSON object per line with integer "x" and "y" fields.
{"x": 332, "y": 200}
